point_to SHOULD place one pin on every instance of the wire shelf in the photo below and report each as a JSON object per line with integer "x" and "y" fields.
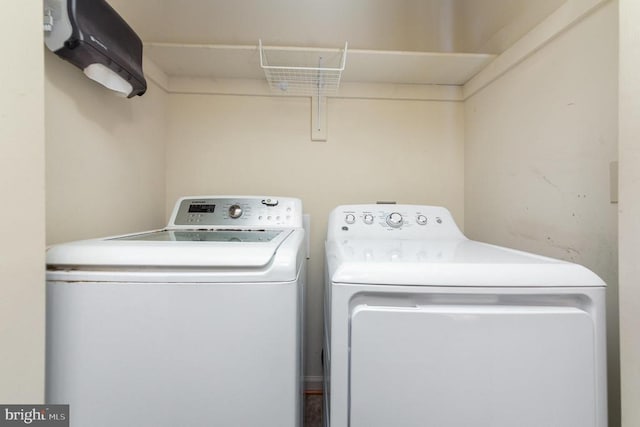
{"x": 299, "y": 78}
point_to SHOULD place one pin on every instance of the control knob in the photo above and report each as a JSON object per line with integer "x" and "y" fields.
{"x": 235, "y": 211}
{"x": 421, "y": 219}
{"x": 350, "y": 218}
{"x": 394, "y": 219}
{"x": 368, "y": 219}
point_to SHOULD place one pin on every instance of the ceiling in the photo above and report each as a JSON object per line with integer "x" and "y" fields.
{"x": 471, "y": 26}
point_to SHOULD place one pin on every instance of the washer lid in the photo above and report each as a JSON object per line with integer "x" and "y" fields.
{"x": 253, "y": 236}
{"x": 448, "y": 262}
{"x": 173, "y": 248}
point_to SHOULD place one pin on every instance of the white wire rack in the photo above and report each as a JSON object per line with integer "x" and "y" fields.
{"x": 304, "y": 79}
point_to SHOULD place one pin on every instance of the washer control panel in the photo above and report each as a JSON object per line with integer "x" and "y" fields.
{"x": 405, "y": 221}
{"x": 237, "y": 212}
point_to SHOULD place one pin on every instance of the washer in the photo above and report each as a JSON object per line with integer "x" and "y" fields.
{"x": 197, "y": 324}
{"x": 424, "y": 327}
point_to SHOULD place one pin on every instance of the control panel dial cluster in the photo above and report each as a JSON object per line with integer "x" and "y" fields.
{"x": 391, "y": 219}
{"x": 395, "y": 221}
{"x": 238, "y": 212}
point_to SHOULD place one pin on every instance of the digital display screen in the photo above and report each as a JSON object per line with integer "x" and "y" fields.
{"x": 202, "y": 208}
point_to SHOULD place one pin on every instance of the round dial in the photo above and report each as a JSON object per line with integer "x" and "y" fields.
{"x": 394, "y": 219}
{"x": 235, "y": 211}
{"x": 350, "y": 218}
{"x": 421, "y": 219}
{"x": 368, "y": 219}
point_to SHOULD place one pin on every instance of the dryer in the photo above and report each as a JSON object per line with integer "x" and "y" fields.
{"x": 196, "y": 324}
{"x": 424, "y": 327}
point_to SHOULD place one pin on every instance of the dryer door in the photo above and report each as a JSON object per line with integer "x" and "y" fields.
{"x": 471, "y": 365}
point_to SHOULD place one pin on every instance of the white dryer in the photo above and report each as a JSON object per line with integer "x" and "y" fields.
{"x": 197, "y": 324}
{"x": 424, "y": 327}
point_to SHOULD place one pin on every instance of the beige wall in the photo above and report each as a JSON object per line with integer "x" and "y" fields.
{"x": 630, "y": 210}
{"x": 409, "y": 151}
{"x": 404, "y": 25}
{"x": 538, "y": 143}
{"x": 22, "y": 215}
{"x": 105, "y": 167}
{"x": 492, "y": 26}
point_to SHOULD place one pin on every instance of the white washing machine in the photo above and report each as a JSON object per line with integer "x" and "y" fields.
{"x": 424, "y": 327}
{"x": 197, "y": 324}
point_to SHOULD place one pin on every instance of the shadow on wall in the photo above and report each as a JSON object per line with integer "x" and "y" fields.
{"x": 93, "y": 101}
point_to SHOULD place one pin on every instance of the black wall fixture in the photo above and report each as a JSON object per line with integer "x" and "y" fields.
{"x": 92, "y": 36}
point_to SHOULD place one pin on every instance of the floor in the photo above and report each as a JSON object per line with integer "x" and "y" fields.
{"x": 313, "y": 410}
